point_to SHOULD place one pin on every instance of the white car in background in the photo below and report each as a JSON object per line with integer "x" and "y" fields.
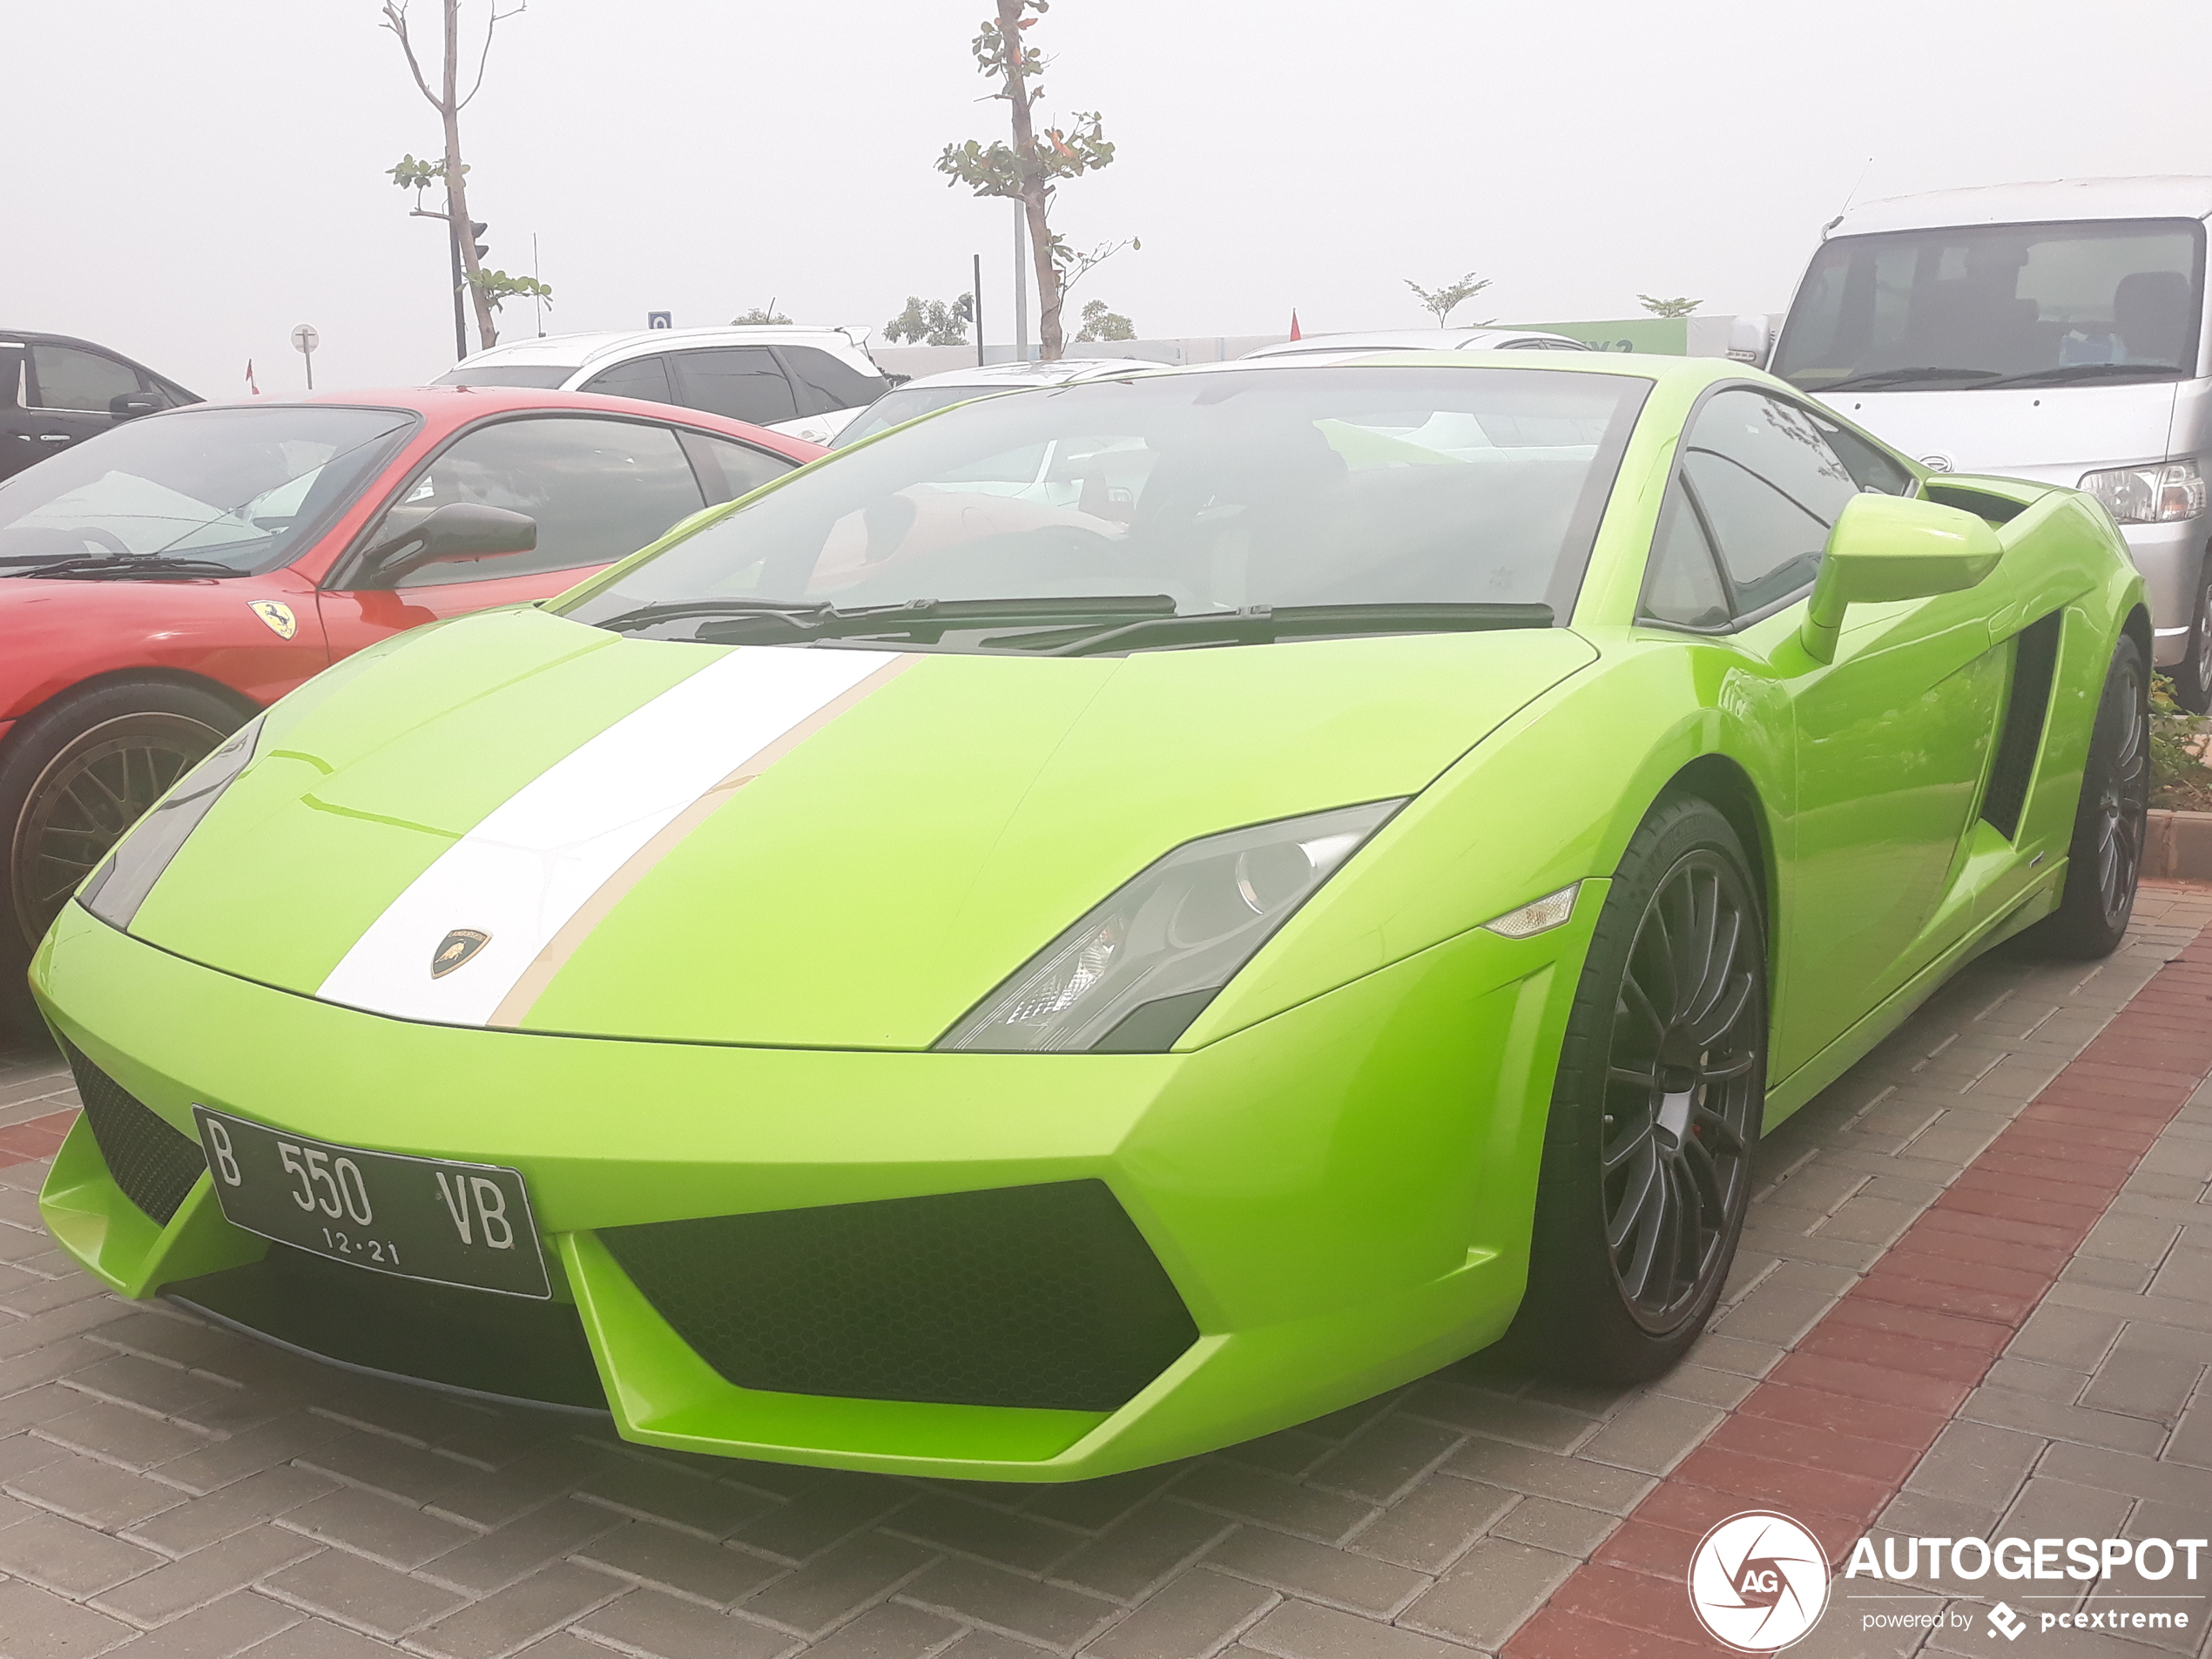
{"x": 804, "y": 381}
{"x": 1424, "y": 340}
{"x": 933, "y": 392}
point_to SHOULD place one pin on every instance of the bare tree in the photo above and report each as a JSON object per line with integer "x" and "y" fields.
{"x": 485, "y": 288}
{"x": 1441, "y": 301}
{"x": 1676, "y": 307}
{"x": 1024, "y": 172}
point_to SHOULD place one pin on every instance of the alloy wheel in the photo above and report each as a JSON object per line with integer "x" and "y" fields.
{"x": 91, "y": 792}
{"x": 1683, "y": 1077}
{"x": 2123, "y": 798}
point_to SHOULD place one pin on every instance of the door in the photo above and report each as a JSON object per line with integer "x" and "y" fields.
{"x": 1891, "y": 740}
{"x": 743, "y": 382}
{"x": 70, "y": 389}
{"x": 599, "y": 487}
{"x": 18, "y": 448}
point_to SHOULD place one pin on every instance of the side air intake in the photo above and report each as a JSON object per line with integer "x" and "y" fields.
{"x": 154, "y": 1164}
{"x": 2035, "y": 654}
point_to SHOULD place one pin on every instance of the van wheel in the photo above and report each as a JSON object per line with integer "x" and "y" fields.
{"x": 2193, "y": 674}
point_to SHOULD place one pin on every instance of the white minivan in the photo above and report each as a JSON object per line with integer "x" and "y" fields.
{"x": 2054, "y": 332}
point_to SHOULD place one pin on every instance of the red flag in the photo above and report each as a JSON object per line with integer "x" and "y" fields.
{"x": 1295, "y": 334}
{"x": 250, "y": 386}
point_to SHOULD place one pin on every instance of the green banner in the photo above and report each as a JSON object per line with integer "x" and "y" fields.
{"x": 1667, "y": 336}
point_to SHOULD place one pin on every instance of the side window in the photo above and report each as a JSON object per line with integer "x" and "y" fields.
{"x": 728, "y": 470}
{"x": 645, "y": 377}
{"x": 64, "y": 377}
{"x": 13, "y": 392}
{"x": 1682, "y": 584}
{"x": 1771, "y": 487}
{"x": 1875, "y": 469}
{"x": 599, "y": 490}
{"x": 741, "y": 381}
{"x": 825, "y": 383}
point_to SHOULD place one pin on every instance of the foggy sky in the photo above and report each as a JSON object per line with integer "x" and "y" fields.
{"x": 195, "y": 177}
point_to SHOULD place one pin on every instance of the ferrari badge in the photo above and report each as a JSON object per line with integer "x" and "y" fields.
{"x": 277, "y": 614}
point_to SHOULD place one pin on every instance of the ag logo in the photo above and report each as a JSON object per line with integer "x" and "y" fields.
{"x": 277, "y": 614}
{"x": 1758, "y": 1581}
{"x": 455, "y": 949}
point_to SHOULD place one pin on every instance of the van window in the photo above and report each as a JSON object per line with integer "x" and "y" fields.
{"x": 1998, "y": 304}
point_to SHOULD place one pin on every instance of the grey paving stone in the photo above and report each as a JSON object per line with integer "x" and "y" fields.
{"x": 368, "y": 1523}
{"x": 492, "y": 1499}
{"x": 1653, "y": 1434}
{"x": 522, "y": 1545}
{"x": 2131, "y": 1472}
{"x": 206, "y": 1574}
{"x": 889, "y": 1631}
{"x": 1431, "y": 1526}
{"x": 1385, "y": 1459}
{"x": 822, "y": 1515}
{"x": 2058, "y": 1422}
{"x": 1316, "y": 1571}
{"x": 1722, "y": 1389}
{"x": 677, "y": 1562}
{"x": 1143, "y": 1546}
{"x": 86, "y": 1489}
{"x": 1290, "y": 1452}
{"x": 830, "y": 1589}
{"x": 2031, "y": 1377}
{"x": 1563, "y": 1528}
{"x": 2048, "y": 1507}
{"x": 1194, "y": 1615}
{"x": 1301, "y": 1630}
{"x": 68, "y": 1557}
{"x": 221, "y": 1630}
{"x": 1021, "y": 1541}
{"x": 355, "y": 1591}
{"x": 41, "y": 1625}
{"x": 1526, "y": 1422}
{"x": 1977, "y": 1464}
{"x": 378, "y": 1463}
{"x": 666, "y": 1627}
{"x": 1485, "y": 1598}
{"x": 263, "y": 1446}
{"x": 508, "y": 1619}
{"x": 1542, "y": 1475}
{"x": 2138, "y": 1381}
{"x": 1272, "y": 1502}
{"x": 1047, "y": 1614}
{"x": 2073, "y": 1338}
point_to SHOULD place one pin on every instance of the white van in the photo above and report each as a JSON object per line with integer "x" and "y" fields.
{"x": 2054, "y": 332}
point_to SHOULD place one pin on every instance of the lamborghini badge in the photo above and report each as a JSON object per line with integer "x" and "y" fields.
{"x": 277, "y": 614}
{"x": 455, "y": 948}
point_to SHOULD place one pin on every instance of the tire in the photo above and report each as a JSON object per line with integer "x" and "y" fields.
{"x": 1655, "y": 1111}
{"x": 2105, "y": 858}
{"x": 2193, "y": 674}
{"x": 73, "y": 777}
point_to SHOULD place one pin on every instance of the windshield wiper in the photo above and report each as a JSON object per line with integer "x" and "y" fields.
{"x": 1898, "y": 376}
{"x": 2066, "y": 371}
{"x": 777, "y": 622}
{"x": 91, "y": 568}
{"x": 1262, "y": 624}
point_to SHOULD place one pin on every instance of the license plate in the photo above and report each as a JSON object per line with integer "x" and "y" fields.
{"x": 428, "y": 1218}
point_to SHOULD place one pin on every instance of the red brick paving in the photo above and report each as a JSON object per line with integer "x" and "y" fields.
{"x": 40, "y": 1138}
{"x": 1836, "y": 1427}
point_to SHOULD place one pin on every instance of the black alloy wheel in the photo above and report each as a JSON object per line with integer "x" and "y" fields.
{"x": 1687, "y": 1036}
{"x": 1654, "y": 1120}
{"x": 2105, "y": 859}
{"x": 89, "y": 793}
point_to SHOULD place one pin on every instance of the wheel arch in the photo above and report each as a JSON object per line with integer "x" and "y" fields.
{"x": 244, "y": 706}
{"x": 1720, "y": 781}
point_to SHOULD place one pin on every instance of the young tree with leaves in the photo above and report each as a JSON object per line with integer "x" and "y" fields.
{"x": 485, "y": 288}
{"x": 758, "y": 315}
{"x": 1678, "y": 308}
{"x": 1025, "y": 170}
{"x": 1102, "y": 324}
{"x": 1442, "y": 302}
{"x": 932, "y": 322}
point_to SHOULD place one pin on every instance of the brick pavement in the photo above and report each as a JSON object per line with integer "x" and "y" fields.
{"x": 169, "y": 1489}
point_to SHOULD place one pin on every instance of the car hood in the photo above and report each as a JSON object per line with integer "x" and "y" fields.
{"x": 2052, "y": 434}
{"x": 514, "y": 821}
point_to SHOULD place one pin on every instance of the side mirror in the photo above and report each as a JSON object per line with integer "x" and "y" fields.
{"x": 129, "y": 406}
{"x": 1893, "y": 547}
{"x": 460, "y": 529}
{"x": 1748, "y": 339}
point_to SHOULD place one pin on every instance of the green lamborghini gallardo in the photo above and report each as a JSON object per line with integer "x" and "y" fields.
{"x": 1106, "y": 920}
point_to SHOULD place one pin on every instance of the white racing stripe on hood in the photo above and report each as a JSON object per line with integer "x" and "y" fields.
{"x": 537, "y": 858}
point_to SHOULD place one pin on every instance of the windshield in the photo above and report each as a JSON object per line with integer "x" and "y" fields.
{"x": 543, "y": 376}
{"x": 908, "y": 403}
{"x": 244, "y": 487}
{"x": 1996, "y": 305}
{"x": 1262, "y": 487}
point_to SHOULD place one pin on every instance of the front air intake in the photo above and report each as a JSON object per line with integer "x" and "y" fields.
{"x": 154, "y": 1164}
{"x": 1040, "y": 1296}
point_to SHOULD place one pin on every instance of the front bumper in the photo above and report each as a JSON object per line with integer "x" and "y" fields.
{"x": 1340, "y": 1195}
{"x": 2171, "y": 558}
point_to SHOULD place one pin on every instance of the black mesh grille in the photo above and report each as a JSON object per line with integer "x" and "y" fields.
{"x": 154, "y": 1164}
{"x": 1041, "y": 1296}
{"x": 2035, "y": 651}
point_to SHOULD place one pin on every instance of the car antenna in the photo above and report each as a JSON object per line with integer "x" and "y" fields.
{"x": 1848, "y": 200}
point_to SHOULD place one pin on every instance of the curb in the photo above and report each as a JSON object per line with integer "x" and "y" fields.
{"x": 2177, "y": 846}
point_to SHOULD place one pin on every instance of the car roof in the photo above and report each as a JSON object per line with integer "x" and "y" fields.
{"x": 2149, "y": 196}
{"x": 453, "y": 405}
{"x": 578, "y": 351}
{"x": 1484, "y": 338}
{"x": 1651, "y": 366}
{"x": 1012, "y": 376}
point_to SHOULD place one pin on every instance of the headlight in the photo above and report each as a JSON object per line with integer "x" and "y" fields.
{"x": 2159, "y": 495}
{"x": 114, "y": 892}
{"x": 1131, "y": 975}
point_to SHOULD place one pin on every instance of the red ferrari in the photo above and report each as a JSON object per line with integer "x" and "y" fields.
{"x": 162, "y": 581}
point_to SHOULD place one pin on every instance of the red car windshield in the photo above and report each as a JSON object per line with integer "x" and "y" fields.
{"x": 244, "y": 487}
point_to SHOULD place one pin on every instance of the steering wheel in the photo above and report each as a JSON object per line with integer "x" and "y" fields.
{"x": 100, "y": 539}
